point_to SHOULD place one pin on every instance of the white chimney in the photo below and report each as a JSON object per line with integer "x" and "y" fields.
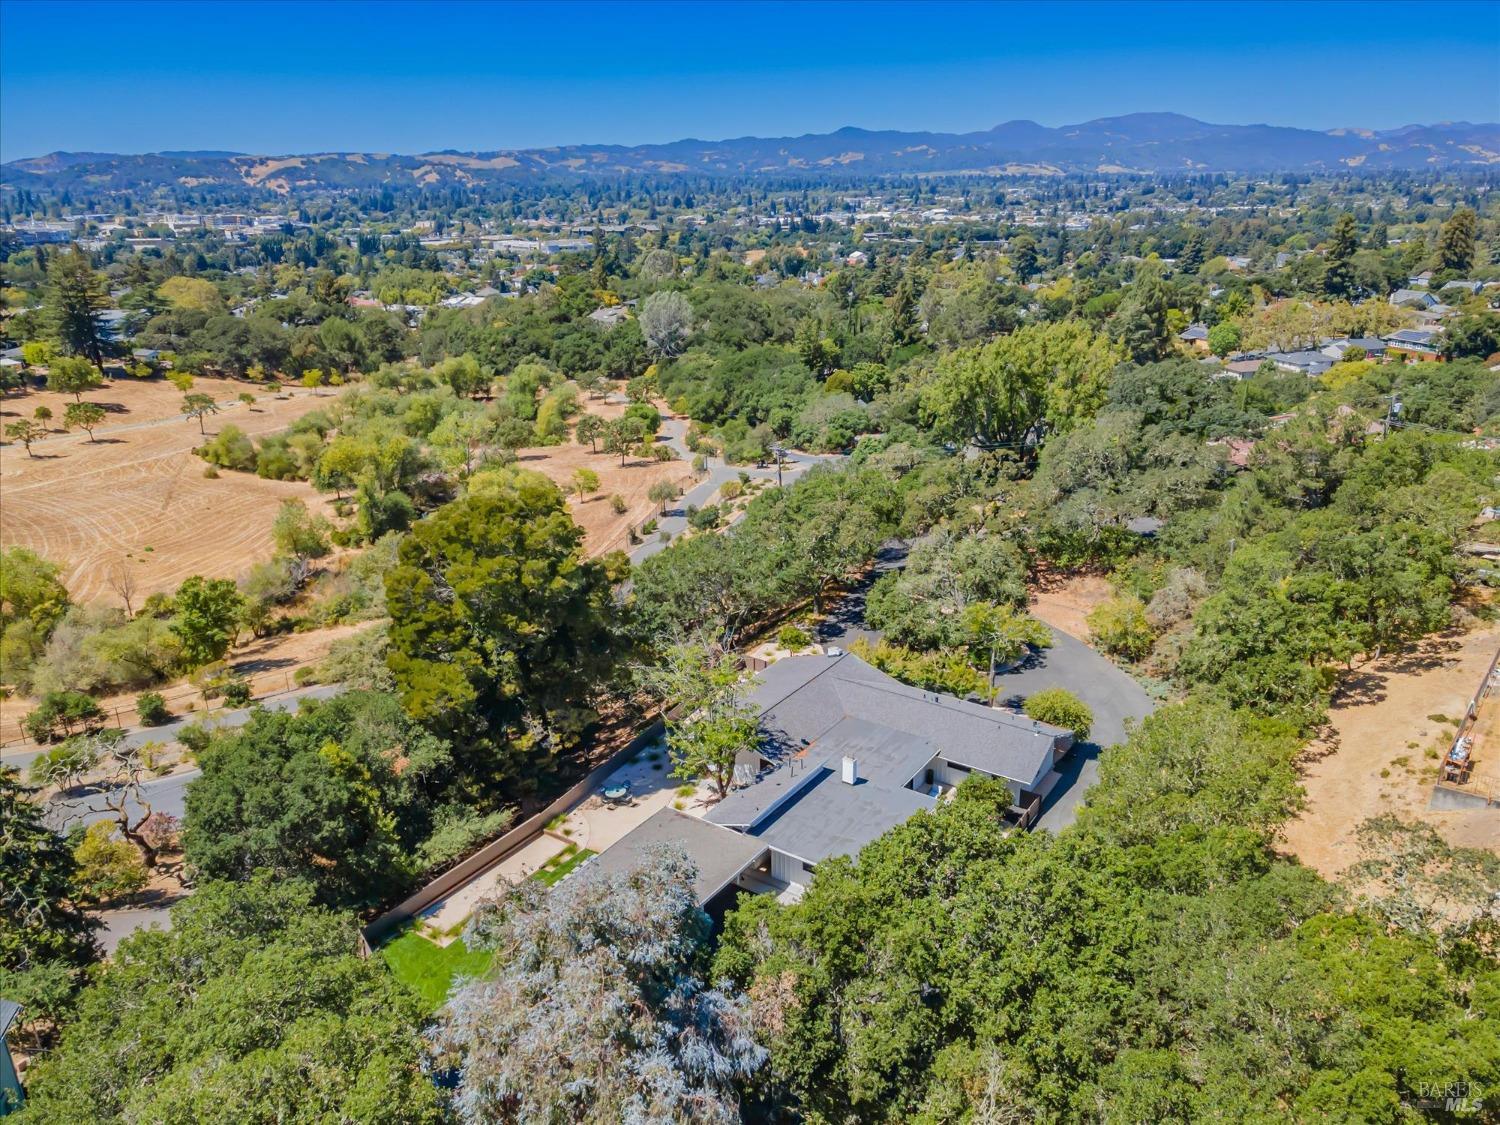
{"x": 851, "y": 771}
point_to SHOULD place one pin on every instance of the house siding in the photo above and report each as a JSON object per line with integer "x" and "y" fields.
{"x": 787, "y": 869}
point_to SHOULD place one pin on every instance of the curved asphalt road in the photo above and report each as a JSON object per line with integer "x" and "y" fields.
{"x": 674, "y": 522}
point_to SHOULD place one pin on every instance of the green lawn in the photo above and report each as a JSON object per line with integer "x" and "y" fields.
{"x": 428, "y": 969}
{"x": 560, "y": 864}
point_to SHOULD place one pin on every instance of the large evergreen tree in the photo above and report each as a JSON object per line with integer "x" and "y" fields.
{"x": 75, "y": 297}
{"x": 501, "y": 630}
{"x": 1338, "y": 277}
{"x": 1456, "y": 241}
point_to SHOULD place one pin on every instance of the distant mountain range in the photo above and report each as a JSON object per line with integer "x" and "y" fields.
{"x": 1138, "y": 142}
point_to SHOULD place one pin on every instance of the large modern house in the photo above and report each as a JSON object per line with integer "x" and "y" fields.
{"x": 846, "y": 754}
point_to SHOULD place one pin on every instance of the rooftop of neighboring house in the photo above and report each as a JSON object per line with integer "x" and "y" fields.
{"x": 1412, "y": 336}
{"x": 1337, "y": 347}
{"x": 610, "y": 314}
{"x": 1311, "y": 362}
{"x": 1413, "y": 296}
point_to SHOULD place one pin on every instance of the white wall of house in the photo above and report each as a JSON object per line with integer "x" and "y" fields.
{"x": 788, "y": 869}
{"x": 946, "y": 774}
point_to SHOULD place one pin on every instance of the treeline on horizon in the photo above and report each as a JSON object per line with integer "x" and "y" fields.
{"x": 1008, "y": 411}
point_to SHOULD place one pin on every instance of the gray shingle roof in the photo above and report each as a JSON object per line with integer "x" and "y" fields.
{"x": 803, "y": 697}
{"x": 720, "y": 853}
{"x": 834, "y": 818}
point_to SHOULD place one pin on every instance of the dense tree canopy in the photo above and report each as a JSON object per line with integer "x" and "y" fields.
{"x": 253, "y": 1007}
{"x": 501, "y": 631}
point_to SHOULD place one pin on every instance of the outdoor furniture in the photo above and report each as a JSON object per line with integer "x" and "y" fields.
{"x": 618, "y": 794}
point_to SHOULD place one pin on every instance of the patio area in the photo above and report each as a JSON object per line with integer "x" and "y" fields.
{"x": 593, "y": 824}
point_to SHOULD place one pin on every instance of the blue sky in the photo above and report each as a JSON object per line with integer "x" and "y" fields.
{"x": 274, "y": 77}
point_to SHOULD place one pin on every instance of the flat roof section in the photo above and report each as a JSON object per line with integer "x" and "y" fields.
{"x": 833, "y": 817}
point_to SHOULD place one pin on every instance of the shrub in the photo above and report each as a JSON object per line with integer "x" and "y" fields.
{"x": 457, "y": 831}
{"x": 210, "y": 473}
{"x": 705, "y": 518}
{"x": 945, "y": 671}
{"x": 74, "y": 754}
{"x": 152, "y": 708}
{"x": 793, "y": 638}
{"x": 1120, "y": 628}
{"x": 196, "y": 737}
{"x": 162, "y": 831}
{"x": 237, "y": 692}
{"x": 60, "y": 714}
{"x": 648, "y": 415}
{"x": 1061, "y": 708}
{"x": 108, "y": 867}
{"x": 230, "y": 449}
{"x": 617, "y": 504}
{"x": 357, "y": 662}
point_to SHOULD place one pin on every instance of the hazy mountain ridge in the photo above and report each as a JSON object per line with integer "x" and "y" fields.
{"x": 1141, "y": 142}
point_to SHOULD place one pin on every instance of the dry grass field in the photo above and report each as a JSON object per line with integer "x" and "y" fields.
{"x": 605, "y": 530}
{"x": 1387, "y": 733}
{"x": 135, "y": 501}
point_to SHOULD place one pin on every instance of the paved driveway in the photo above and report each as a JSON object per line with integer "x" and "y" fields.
{"x": 1112, "y": 695}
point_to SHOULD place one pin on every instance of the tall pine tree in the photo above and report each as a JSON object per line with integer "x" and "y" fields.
{"x": 1338, "y": 279}
{"x": 76, "y": 295}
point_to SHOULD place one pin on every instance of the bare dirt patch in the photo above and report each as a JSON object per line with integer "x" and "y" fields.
{"x": 136, "y": 500}
{"x": 1065, "y": 601}
{"x": 1389, "y": 720}
{"x": 604, "y": 529}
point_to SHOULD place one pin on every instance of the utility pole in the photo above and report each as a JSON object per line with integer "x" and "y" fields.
{"x": 778, "y": 453}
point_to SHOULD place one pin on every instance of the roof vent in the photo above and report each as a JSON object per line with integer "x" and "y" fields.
{"x": 851, "y": 771}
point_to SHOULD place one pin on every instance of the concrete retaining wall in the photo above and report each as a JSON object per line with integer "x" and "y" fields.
{"x": 1452, "y": 798}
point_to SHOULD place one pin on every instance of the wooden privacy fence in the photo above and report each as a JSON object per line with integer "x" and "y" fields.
{"x": 462, "y": 874}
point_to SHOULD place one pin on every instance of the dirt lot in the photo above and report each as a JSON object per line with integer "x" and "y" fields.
{"x": 605, "y": 530}
{"x": 1386, "y": 725}
{"x": 136, "y": 499}
{"x": 1064, "y": 602}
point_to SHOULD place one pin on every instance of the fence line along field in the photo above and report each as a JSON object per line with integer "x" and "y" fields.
{"x": 134, "y": 502}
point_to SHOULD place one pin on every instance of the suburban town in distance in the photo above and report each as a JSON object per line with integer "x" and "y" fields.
{"x": 973, "y": 597}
